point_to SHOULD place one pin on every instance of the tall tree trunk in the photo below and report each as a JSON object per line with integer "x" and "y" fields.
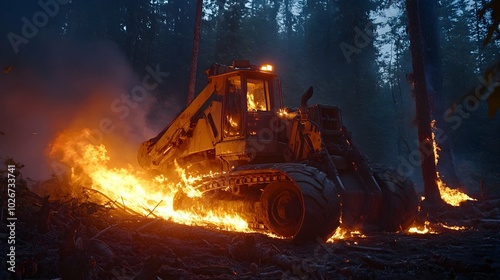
{"x": 196, "y": 48}
{"x": 433, "y": 68}
{"x": 431, "y": 190}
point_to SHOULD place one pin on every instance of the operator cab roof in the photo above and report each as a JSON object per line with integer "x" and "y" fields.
{"x": 238, "y": 65}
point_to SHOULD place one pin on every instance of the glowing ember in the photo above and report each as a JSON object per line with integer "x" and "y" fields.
{"x": 134, "y": 189}
{"x": 451, "y": 196}
{"x": 282, "y": 112}
{"x": 285, "y": 114}
{"x": 343, "y": 233}
{"x": 453, "y": 227}
{"x": 419, "y": 230}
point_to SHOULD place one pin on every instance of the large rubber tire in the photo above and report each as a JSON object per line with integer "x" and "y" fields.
{"x": 400, "y": 205}
{"x": 283, "y": 208}
{"x": 305, "y": 208}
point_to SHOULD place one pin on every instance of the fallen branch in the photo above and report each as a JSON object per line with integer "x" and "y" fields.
{"x": 148, "y": 224}
{"x": 123, "y": 207}
{"x": 103, "y": 231}
{"x": 154, "y": 208}
{"x": 150, "y": 212}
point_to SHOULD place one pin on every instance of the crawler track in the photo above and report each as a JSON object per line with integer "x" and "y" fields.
{"x": 293, "y": 200}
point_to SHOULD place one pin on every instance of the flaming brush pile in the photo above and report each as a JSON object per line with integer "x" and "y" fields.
{"x": 133, "y": 190}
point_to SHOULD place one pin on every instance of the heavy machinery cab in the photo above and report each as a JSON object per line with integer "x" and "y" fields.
{"x": 250, "y": 127}
{"x": 232, "y": 121}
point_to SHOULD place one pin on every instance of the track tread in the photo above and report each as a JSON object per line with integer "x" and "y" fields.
{"x": 400, "y": 199}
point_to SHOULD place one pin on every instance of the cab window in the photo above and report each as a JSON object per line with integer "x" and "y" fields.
{"x": 258, "y": 95}
{"x": 233, "y": 115}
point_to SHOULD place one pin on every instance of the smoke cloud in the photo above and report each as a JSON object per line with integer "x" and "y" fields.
{"x": 71, "y": 86}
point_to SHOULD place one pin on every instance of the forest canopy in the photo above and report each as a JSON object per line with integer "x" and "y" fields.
{"x": 354, "y": 52}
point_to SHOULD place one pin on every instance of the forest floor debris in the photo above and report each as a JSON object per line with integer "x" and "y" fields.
{"x": 77, "y": 239}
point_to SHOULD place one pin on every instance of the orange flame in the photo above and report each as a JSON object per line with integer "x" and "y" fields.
{"x": 134, "y": 189}
{"x": 457, "y": 228}
{"x": 422, "y": 230}
{"x": 427, "y": 229}
{"x": 451, "y": 196}
{"x": 345, "y": 233}
{"x": 251, "y": 104}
